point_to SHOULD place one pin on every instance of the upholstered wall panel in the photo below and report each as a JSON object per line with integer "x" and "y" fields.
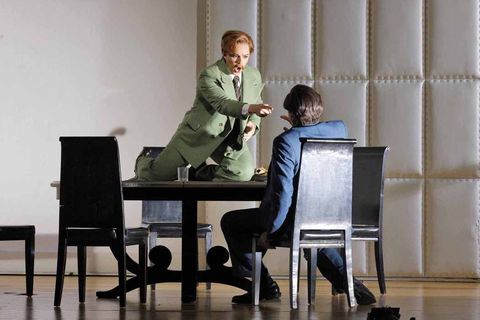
{"x": 341, "y": 39}
{"x": 452, "y": 129}
{"x": 396, "y": 38}
{"x": 452, "y": 38}
{"x": 403, "y": 239}
{"x": 230, "y": 15}
{"x": 451, "y": 228}
{"x": 287, "y": 42}
{"x": 399, "y": 73}
{"x": 347, "y": 101}
{"x": 396, "y": 121}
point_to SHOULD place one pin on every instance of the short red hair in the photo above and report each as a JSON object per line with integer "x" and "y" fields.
{"x": 231, "y": 38}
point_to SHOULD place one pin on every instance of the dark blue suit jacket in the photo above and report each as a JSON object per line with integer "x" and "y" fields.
{"x": 277, "y": 207}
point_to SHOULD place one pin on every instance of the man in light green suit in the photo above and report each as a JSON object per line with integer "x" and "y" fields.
{"x": 225, "y": 114}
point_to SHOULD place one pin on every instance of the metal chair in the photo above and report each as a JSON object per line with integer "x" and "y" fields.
{"x": 325, "y": 183}
{"x": 164, "y": 219}
{"x": 367, "y": 210}
{"x": 27, "y": 234}
{"x": 91, "y": 211}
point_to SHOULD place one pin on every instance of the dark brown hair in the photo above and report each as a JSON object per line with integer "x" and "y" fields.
{"x": 233, "y": 37}
{"x": 304, "y": 105}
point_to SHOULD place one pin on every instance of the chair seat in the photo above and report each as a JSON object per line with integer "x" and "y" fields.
{"x": 174, "y": 230}
{"x": 135, "y": 234}
{"x": 102, "y": 237}
{"x": 365, "y": 232}
{"x": 314, "y": 237}
{"x": 27, "y": 229}
{"x": 16, "y": 232}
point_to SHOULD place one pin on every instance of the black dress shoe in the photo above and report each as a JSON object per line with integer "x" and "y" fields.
{"x": 362, "y": 294}
{"x": 271, "y": 292}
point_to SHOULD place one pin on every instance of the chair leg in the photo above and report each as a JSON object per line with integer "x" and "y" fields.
{"x": 61, "y": 261}
{"x": 29, "y": 263}
{"x": 347, "y": 263}
{"x": 122, "y": 273}
{"x": 152, "y": 242}
{"x": 299, "y": 269}
{"x": 294, "y": 270}
{"x": 82, "y": 272}
{"x": 379, "y": 264}
{"x": 208, "y": 245}
{"x": 256, "y": 273}
{"x": 142, "y": 276}
{"x": 312, "y": 274}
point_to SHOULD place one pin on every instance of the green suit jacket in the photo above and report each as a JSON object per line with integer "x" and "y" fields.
{"x": 214, "y": 111}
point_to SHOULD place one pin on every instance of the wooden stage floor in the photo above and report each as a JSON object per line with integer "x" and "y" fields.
{"x": 422, "y": 300}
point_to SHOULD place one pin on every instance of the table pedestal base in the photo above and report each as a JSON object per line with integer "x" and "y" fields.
{"x": 159, "y": 273}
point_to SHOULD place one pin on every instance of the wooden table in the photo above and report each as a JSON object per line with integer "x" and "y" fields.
{"x": 189, "y": 193}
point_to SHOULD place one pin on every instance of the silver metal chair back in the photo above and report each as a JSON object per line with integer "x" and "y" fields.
{"x": 323, "y": 215}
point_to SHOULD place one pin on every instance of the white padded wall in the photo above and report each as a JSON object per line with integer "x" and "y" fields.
{"x": 405, "y": 74}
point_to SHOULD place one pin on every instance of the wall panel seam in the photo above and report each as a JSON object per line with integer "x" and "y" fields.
{"x": 400, "y": 77}
{"x": 424, "y": 228}
{"x": 478, "y": 189}
{"x": 313, "y": 38}
{"x": 208, "y": 31}
{"x": 369, "y": 39}
{"x": 454, "y": 77}
{"x": 288, "y": 81}
{"x": 319, "y": 81}
{"x": 259, "y": 65}
{"x": 259, "y": 35}
{"x": 368, "y": 107}
{"x": 368, "y": 48}
{"x": 424, "y": 38}
{"x": 451, "y": 80}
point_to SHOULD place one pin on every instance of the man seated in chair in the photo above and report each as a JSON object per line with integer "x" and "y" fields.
{"x": 275, "y": 215}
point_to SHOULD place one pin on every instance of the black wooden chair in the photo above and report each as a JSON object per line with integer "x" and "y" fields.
{"x": 164, "y": 218}
{"x": 367, "y": 210}
{"x": 91, "y": 211}
{"x": 323, "y": 214}
{"x": 27, "y": 234}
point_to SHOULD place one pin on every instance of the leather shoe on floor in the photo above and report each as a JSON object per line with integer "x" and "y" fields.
{"x": 271, "y": 292}
{"x": 362, "y": 294}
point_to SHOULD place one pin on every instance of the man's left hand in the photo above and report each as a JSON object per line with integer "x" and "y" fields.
{"x": 249, "y": 131}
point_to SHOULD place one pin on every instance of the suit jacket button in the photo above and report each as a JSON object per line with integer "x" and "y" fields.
{"x": 212, "y": 136}
{"x": 220, "y": 124}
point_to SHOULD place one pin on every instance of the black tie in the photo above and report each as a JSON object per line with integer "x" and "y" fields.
{"x": 238, "y": 90}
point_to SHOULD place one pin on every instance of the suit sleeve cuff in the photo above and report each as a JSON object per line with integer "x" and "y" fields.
{"x": 245, "y": 110}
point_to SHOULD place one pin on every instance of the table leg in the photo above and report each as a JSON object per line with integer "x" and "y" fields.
{"x": 189, "y": 251}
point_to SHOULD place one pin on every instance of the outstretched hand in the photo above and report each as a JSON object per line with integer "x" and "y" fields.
{"x": 261, "y": 110}
{"x": 286, "y": 118}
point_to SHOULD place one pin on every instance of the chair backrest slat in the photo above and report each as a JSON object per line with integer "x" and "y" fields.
{"x": 368, "y": 184}
{"x": 324, "y": 192}
{"x": 90, "y": 183}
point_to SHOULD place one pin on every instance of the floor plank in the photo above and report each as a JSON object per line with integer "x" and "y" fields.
{"x": 422, "y": 300}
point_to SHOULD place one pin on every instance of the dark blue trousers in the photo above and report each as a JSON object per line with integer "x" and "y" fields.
{"x": 239, "y": 226}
